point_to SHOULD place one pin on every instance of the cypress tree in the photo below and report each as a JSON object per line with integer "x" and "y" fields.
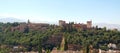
{"x": 39, "y": 45}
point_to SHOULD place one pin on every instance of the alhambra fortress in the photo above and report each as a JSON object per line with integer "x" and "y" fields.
{"x": 32, "y": 26}
{"x": 79, "y": 25}
{"x": 43, "y": 26}
{"x": 58, "y": 38}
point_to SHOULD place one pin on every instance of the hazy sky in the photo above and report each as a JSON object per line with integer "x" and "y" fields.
{"x": 99, "y": 11}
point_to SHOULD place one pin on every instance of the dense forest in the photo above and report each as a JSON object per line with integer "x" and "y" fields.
{"x": 38, "y": 40}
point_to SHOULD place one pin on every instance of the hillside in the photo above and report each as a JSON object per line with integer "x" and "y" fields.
{"x": 36, "y": 37}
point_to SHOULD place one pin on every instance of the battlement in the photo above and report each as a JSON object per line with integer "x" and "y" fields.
{"x": 78, "y": 25}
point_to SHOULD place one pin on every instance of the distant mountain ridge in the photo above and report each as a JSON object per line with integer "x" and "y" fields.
{"x": 108, "y": 26}
{"x": 10, "y": 19}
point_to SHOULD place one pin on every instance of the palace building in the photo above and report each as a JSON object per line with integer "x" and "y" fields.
{"x": 78, "y": 25}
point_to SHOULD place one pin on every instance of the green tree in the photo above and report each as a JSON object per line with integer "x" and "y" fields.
{"x": 39, "y": 44}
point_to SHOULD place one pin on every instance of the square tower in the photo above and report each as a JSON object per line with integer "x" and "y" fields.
{"x": 62, "y": 23}
{"x": 89, "y": 24}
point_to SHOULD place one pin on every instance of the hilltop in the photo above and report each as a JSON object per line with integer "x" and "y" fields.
{"x": 65, "y": 36}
